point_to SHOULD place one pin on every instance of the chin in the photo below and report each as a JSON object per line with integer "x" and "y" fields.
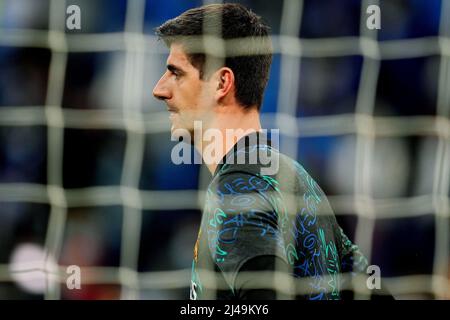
{"x": 187, "y": 135}
{"x": 177, "y": 132}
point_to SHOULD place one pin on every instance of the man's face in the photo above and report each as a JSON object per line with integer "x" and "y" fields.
{"x": 188, "y": 98}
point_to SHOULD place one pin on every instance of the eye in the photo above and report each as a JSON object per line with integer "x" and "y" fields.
{"x": 175, "y": 73}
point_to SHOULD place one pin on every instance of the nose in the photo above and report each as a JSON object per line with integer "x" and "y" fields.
{"x": 160, "y": 91}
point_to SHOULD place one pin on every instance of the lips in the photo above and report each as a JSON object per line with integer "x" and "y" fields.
{"x": 172, "y": 109}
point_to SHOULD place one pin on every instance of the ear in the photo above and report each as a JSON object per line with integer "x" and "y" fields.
{"x": 225, "y": 83}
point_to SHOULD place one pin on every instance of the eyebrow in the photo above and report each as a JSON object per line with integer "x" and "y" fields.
{"x": 173, "y": 68}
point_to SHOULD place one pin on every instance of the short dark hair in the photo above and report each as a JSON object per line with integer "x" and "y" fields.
{"x": 251, "y": 69}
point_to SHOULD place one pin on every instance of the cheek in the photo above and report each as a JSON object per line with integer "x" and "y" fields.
{"x": 193, "y": 100}
{"x": 187, "y": 97}
{"x": 207, "y": 96}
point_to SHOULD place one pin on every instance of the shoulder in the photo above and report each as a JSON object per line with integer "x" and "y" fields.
{"x": 273, "y": 171}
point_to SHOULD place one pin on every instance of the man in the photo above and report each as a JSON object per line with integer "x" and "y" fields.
{"x": 259, "y": 231}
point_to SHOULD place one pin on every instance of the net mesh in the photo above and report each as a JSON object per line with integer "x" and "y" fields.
{"x": 137, "y": 124}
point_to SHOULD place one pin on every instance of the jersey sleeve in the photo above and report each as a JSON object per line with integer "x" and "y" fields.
{"x": 251, "y": 286}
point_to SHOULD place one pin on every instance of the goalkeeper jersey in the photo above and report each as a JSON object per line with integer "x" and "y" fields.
{"x": 269, "y": 222}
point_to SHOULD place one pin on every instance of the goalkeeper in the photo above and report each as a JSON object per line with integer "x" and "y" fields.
{"x": 251, "y": 221}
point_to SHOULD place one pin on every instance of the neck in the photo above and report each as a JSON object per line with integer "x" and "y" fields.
{"x": 224, "y": 130}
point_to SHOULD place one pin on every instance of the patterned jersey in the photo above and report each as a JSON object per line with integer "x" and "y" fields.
{"x": 248, "y": 214}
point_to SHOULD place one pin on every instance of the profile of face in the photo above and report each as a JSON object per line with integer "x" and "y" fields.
{"x": 188, "y": 97}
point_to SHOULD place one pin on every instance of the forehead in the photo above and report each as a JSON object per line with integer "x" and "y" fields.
{"x": 178, "y": 57}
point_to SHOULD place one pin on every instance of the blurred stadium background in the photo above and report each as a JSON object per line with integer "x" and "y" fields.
{"x": 85, "y": 170}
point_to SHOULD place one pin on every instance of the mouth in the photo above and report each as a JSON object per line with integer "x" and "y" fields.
{"x": 172, "y": 109}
